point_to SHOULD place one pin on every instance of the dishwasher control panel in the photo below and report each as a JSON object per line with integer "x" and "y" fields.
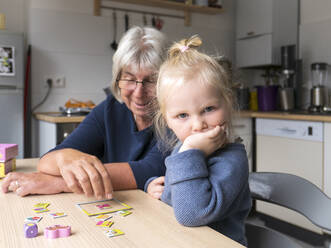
{"x": 306, "y": 130}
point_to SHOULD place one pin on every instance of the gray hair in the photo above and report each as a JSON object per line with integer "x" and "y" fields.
{"x": 140, "y": 47}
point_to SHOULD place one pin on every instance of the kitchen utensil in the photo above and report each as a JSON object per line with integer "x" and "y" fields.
{"x": 153, "y": 22}
{"x": 159, "y": 23}
{"x": 114, "y": 44}
{"x": 126, "y": 20}
{"x": 144, "y": 20}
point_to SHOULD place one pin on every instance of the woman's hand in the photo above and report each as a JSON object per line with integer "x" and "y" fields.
{"x": 156, "y": 187}
{"x": 208, "y": 142}
{"x": 33, "y": 183}
{"x": 83, "y": 173}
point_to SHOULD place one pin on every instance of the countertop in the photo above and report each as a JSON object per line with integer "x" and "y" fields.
{"x": 56, "y": 117}
{"x": 299, "y": 115}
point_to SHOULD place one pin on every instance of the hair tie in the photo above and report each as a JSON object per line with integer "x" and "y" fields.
{"x": 184, "y": 48}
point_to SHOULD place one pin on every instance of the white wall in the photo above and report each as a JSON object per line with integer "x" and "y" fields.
{"x": 67, "y": 40}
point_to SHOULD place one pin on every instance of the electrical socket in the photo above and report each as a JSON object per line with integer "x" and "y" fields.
{"x": 57, "y": 81}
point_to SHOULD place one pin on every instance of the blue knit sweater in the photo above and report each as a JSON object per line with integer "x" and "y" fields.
{"x": 109, "y": 132}
{"x": 210, "y": 191}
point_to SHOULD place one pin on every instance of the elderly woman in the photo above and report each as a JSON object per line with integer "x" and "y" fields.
{"x": 114, "y": 147}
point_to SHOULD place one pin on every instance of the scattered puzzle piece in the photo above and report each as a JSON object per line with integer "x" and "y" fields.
{"x": 124, "y": 213}
{"x": 33, "y": 219}
{"x": 57, "y": 231}
{"x": 57, "y": 215}
{"x": 103, "y": 217}
{"x": 30, "y": 230}
{"x": 105, "y": 223}
{"x": 40, "y": 210}
{"x": 114, "y": 233}
{"x": 41, "y": 205}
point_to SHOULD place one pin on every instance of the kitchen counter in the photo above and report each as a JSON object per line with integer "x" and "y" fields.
{"x": 57, "y": 117}
{"x": 299, "y": 115}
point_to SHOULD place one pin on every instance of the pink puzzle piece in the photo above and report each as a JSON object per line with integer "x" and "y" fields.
{"x": 103, "y": 206}
{"x": 57, "y": 231}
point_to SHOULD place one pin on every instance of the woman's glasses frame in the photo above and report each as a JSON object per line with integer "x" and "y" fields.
{"x": 131, "y": 84}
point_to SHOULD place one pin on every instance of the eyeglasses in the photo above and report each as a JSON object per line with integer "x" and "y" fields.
{"x": 131, "y": 84}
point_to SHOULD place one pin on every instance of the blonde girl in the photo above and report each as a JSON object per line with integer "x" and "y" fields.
{"x": 206, "y": 178}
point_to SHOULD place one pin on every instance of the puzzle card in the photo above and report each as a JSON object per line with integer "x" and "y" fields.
{"x": 102, "y": 207}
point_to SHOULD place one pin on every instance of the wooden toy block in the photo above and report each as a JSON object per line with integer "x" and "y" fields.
{"x": 6, "y": 167}
{"x": 8, "y": 151}
{"x": 30, "y": 230}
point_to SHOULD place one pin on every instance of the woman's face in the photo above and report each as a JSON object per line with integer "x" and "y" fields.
{"x": 138, "y": 98}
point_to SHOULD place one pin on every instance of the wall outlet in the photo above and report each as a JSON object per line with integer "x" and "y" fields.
{"x": 59, "y": 82}
{"x": 56, "y": 81}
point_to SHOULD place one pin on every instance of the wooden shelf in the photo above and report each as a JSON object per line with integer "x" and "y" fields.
{"x": 186, "y": 7}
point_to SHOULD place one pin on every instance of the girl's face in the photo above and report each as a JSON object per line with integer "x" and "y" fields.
{"x": 193, "y": 108}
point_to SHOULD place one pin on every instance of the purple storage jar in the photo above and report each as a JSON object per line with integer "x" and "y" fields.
{"x": 267, "y": 97}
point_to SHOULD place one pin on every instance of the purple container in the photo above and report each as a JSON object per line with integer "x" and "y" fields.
{"x": 267, "y": 97}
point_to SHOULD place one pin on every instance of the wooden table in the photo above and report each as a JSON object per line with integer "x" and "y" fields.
{"x": 152, "y": 223}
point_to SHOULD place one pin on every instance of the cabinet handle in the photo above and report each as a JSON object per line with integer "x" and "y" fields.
{"x": 287, "y": 130}
{"x": 251, "y": 33}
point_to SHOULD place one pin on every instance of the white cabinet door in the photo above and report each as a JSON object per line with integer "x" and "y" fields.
{"x": 242, "y": 127}
{"x": 254, "y": 51}
{"x": 47, "y": 136}
{"x": 254, "y": 17}
{"x": 327, "y": 159}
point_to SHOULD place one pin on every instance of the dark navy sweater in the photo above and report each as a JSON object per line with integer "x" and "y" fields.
{"x": 109, "y": 132}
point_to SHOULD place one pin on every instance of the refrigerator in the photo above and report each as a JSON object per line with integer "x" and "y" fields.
{"x": 11, "y": 89}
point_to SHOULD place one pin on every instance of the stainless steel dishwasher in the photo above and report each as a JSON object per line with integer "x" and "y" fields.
{"x": 294, "y": 147}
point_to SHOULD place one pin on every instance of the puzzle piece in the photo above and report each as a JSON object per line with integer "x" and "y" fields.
{"x": 124, "y": 213}
{"x": 114, "y": 233}
{"x": 105, "y": 223}
{"x": 103, "y": 217}
{"x": 40, "y": 210}
{"x": 57, "y": 231}
{"x": 34, "y": 219}
{"x": 41, "y": 205}
{"x": 103, "y": 206}
{"x": 57, "y": 215}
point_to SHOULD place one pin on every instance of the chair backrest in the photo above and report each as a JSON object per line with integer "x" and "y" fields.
{"x": 264, "y": 237}
{"x": 292, "y": 192}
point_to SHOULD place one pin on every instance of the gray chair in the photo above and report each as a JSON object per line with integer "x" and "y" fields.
{"x": 292, "y": 192}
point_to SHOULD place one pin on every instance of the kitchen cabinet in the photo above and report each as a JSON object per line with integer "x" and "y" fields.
{"x": 53, "y": 128}
{"x": 327, "y": 159}
{"x": 242, "y": 127}
{"x": 52, "y": 134}
{"x": 262, "y": 27}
